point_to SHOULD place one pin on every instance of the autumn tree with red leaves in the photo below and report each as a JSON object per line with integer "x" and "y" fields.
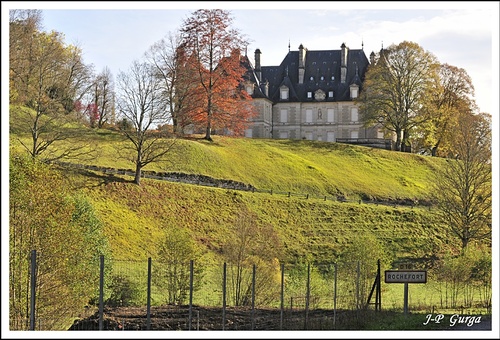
{"x": 212, "y": 50}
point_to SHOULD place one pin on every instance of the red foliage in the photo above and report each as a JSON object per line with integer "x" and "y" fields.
{"x": 90, "y": 110}
{"x": 213, "y": 49}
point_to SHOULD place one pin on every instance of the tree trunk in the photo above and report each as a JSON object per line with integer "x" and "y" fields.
{"x": 138, "y": 169}
{"x": 208, "y": 134}
{"x": 434, "y": 151}
{"x": 405, "y": 143}
{"x": 397, "y": 145}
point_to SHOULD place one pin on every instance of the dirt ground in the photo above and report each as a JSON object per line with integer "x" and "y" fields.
{"x": 208, "y": 318}
{"x": 236, "y": 318}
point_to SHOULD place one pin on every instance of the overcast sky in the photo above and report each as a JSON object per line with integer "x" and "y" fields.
{"x": 465, "y": 35}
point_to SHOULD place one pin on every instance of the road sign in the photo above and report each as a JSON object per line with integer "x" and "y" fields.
{"x": 405, "y": 266}
{"x": 405, "y": 276}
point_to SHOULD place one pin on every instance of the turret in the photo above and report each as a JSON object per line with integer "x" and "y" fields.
{"x": 372, "y": 58}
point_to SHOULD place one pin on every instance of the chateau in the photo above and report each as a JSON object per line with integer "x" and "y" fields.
{"x": 310, "y": 96}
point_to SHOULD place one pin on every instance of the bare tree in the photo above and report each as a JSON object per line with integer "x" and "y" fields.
{"x": 169, "y": 59}
{"x": 103, "y": 95}
{"x": 463, "y": 187}
{"x": 140, "y": 102}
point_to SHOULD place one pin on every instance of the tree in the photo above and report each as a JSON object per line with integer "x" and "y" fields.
{"x": 24, "y": 26}
{"x": 96, "y": 106}
{"x": 213, "y": 52}
{"x": 174, "y": 256}
{"x": 104, "y": 98}
{"x": 169, "y": 59}
{"x": 362, "y": 253}
{"x": 465, "y": 275}
{"x": 46, "y": 77}
{"x": 47, "y": 216}
{"x": 251, "y": 244}
{"x": 462, "y": 188}
{"x": 396, "y": 88}
{"x": 452, "y": 94}
{"x": 140, "y": 102}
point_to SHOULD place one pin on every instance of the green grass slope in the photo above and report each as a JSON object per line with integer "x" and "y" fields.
{"x": 301, "y": 167}
{"x": 135, "y": 217}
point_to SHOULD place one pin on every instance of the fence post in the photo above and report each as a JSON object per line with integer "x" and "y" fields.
{"x": 224, "y": 297}
{"x": 334, "y": 295}
{"x": 148, "y": 303}
{"x": 378, "y": 293}
{"x": 33, "y": 290}
{"x": 308, "y": 291}
{"x": 253, "y": 296}
{"x": 357, "y": 286}
{"x": 190, "y": 293}
{"x": 282, "y": 294}
{"x": 101, "y": 292}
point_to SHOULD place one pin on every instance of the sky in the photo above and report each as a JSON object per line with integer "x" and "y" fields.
{"x": 114, "y": 34}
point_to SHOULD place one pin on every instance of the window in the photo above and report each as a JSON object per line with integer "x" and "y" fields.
{"x": 284, "y": 93}
{"x": 330, "y": 94}
{"x": 354, "y": 134}
{"x": 309, "y": 135}
{"x": 354, "y": 114}
{"x": 330, "y": 115}
{"x": 309, "y": 95}
{"x": 284, "y": 116}
{"x": 322, "y": 78}
{"x": 249, "y": 133}
{"x": 354, "y": 91}
{"x": 249, "y": 89}
{"x": 312, "y": 78}
{"x": 309, "y": 116}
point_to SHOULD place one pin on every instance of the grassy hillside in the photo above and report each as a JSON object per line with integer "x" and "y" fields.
{"x": 135, "y": 217}
{"x": 305, "y": 167}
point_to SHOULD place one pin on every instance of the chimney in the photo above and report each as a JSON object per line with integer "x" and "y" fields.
{"x": 302, "y": 63}
{"x": 257, "y": 65}
{"x": 343, "y": 62}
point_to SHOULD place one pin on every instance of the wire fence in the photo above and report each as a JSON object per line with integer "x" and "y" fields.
{"x": 185, "y": 295}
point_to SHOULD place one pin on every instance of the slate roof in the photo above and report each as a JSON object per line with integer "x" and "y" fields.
{"x": 322, "y": 71}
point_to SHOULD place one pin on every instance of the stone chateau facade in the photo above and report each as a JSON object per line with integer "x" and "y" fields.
{"x": 310, "y": 95}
